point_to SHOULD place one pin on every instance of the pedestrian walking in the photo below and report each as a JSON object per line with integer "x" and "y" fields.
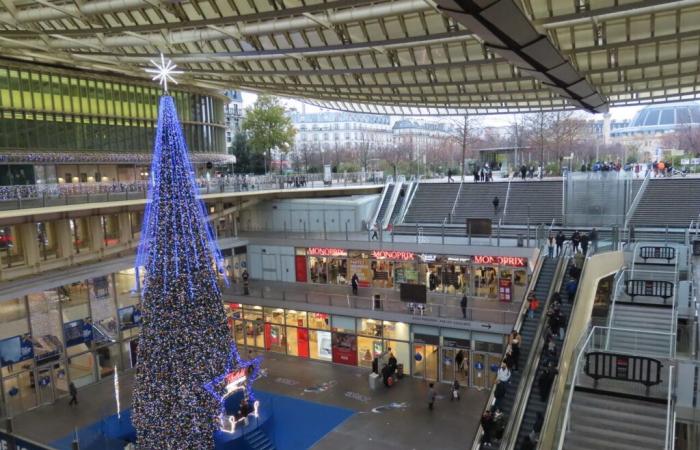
{"x": 584, "y": 243}
{"x": 449, "y": 176}
{"x": 503, "y": 374}
{"x": 559, "y": 239}
{"x": 375, "y": 230}
{"x": 515, "y": 347}
{"x": 431, "y": 396}
{"x": 355, "y": 283}
{"x": 499, "y": 394}
{"x": 455, "y": 391}
{"x": 593, "y": 238}
{"x": 73, "y": 391}
{"x": 550, "y": 245}
{"x": 496, "y": 201}
{"x": 523, "y": 172}
{"x": 463, "y": 305}
{"x": 575, "y": 240}
{"x": 533, "y": 304}
{"x": 487, "y": 426}
{"x": 245, "y": 277}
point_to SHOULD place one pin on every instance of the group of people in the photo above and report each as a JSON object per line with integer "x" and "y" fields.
{"x": 579, "y": 242}
{"x": 529, "y": 171}
{"x": 484, "y": 174}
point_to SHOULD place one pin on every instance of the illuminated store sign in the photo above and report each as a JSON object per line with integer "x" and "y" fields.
{"x": 320, "y": 251}
{"x": 513, "y": 261}
{"x": 395, "y": 255}
{"x": 235, "y": 381}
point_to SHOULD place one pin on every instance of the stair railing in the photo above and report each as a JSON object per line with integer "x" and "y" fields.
{"x": 505, "y": 207}
{"x": 408, "y": 200}
{"x": 381, "y": 202}
{"x": 454, "y": 205}
{"x": 616, "y": 294}
{"x": 510, "y": 435}
{"x": 637, "y": 198}
{"x": 476, "y": 444}
{"x": 670, "y": 438}
{"x": 392, "y": 204}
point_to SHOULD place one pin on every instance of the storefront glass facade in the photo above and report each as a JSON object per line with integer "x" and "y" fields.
{"x": 498, "y": 278}
{"x": 425, "y": 352}
{"x": 79, "y": 332}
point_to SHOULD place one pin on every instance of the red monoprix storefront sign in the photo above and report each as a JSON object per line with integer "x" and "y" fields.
{"x": 513, "y": 261}
{"x": 393, "y": 255}
{"x": 322, "y": 251}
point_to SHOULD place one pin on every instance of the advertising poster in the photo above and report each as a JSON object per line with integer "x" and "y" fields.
{"x": 15, "y": 349}
{"x": 362, "y": 267}
{"x": 323, "y": 345}
{"x": 129, "y": 317}
{"x": 77, "y": 332}
{"x": 505, "y": 289}
{"x": 345, "y": 349}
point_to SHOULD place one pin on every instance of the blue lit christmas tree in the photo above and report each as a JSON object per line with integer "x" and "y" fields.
{"x": 185, "y": 342}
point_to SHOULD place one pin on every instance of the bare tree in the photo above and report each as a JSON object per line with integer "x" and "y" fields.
{"x": 465, "y": 132}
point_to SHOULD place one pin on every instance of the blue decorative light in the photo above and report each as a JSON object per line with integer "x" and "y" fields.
{"x": 185, "y": 341}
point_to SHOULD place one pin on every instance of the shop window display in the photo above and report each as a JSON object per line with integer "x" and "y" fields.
{"x": 274, "y": 316}
{"x": 298, "y": 342}
{"x": 401, "y": 351}
{"x": 396, "y": 330}
{"x": 369, "y": 327}
{"x": 485, "y": 282}
{"x": 275, "y": 338}
{"x": 367, "y": 350}
{"x": 320, "y": 345}
{"x": 296, "y": 318}
{"x": 319, "y": 321}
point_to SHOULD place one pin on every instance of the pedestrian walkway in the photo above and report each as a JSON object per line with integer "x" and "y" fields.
{"x": 394, "y": 418}
{"x": 438, "y": 305}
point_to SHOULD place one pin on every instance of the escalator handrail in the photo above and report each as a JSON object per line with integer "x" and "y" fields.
{"x": 517, "y": 326}
{"x": 549, "y": 413}
{"x": 510, "y": 435}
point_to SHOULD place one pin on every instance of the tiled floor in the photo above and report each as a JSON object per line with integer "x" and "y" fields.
{"x": 409, "y": 425}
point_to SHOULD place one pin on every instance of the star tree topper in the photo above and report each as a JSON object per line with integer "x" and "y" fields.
{"x": 164, "y": 72}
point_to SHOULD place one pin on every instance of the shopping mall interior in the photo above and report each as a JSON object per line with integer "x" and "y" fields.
{"x": 141, "y": 273}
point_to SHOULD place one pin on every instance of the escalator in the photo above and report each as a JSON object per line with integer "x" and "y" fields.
{"x": 399, "y": 202}
{"x": 535, "y": 404}
{"x": 386, "y": 200}
{"x": 528, "y": 329}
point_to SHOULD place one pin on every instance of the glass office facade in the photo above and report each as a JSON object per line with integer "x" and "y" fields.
{"x": 46, "y": 109}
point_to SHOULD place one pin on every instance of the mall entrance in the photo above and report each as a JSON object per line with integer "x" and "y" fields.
{"x": 455, "y": 361}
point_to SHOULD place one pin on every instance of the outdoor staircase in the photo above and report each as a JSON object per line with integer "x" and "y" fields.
{"x": 643, "y": 318}
{"x": 432, "y": 203}
{"x": 613, "y": 423}
{"x": 534, "y": 403}
{"x": 527, "y": 333}
{"x": 258, "y": 440}
{"x": 672, "y": 201}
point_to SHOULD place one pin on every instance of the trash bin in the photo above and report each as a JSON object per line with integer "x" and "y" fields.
{"x": 521, "y": 240}
{"x": 373, "y": 380}
{"x": 377, "y": 302}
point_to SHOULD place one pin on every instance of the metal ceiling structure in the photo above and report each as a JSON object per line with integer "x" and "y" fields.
{"x": 399, "y": 57}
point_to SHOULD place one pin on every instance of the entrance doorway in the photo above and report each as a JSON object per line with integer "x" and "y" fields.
{"x": 482, "y": 375}
{"x": 455, "y": 365}
{"x": 425, "y": 361}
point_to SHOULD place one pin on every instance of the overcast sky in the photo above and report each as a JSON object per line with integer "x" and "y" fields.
{"x": 621, "y": 113}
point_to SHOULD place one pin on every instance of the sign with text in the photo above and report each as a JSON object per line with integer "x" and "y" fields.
{"x": 395, "y": 255}
{"x": 513, "y": 261}
{"x": 322, "y": 251}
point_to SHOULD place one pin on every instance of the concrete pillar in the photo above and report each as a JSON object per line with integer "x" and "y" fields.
{"x": 64, "y": 238}
{"x": 30, "y": 243}
{"x": 124, "y": 228}
{"x": 97, "y": 235}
